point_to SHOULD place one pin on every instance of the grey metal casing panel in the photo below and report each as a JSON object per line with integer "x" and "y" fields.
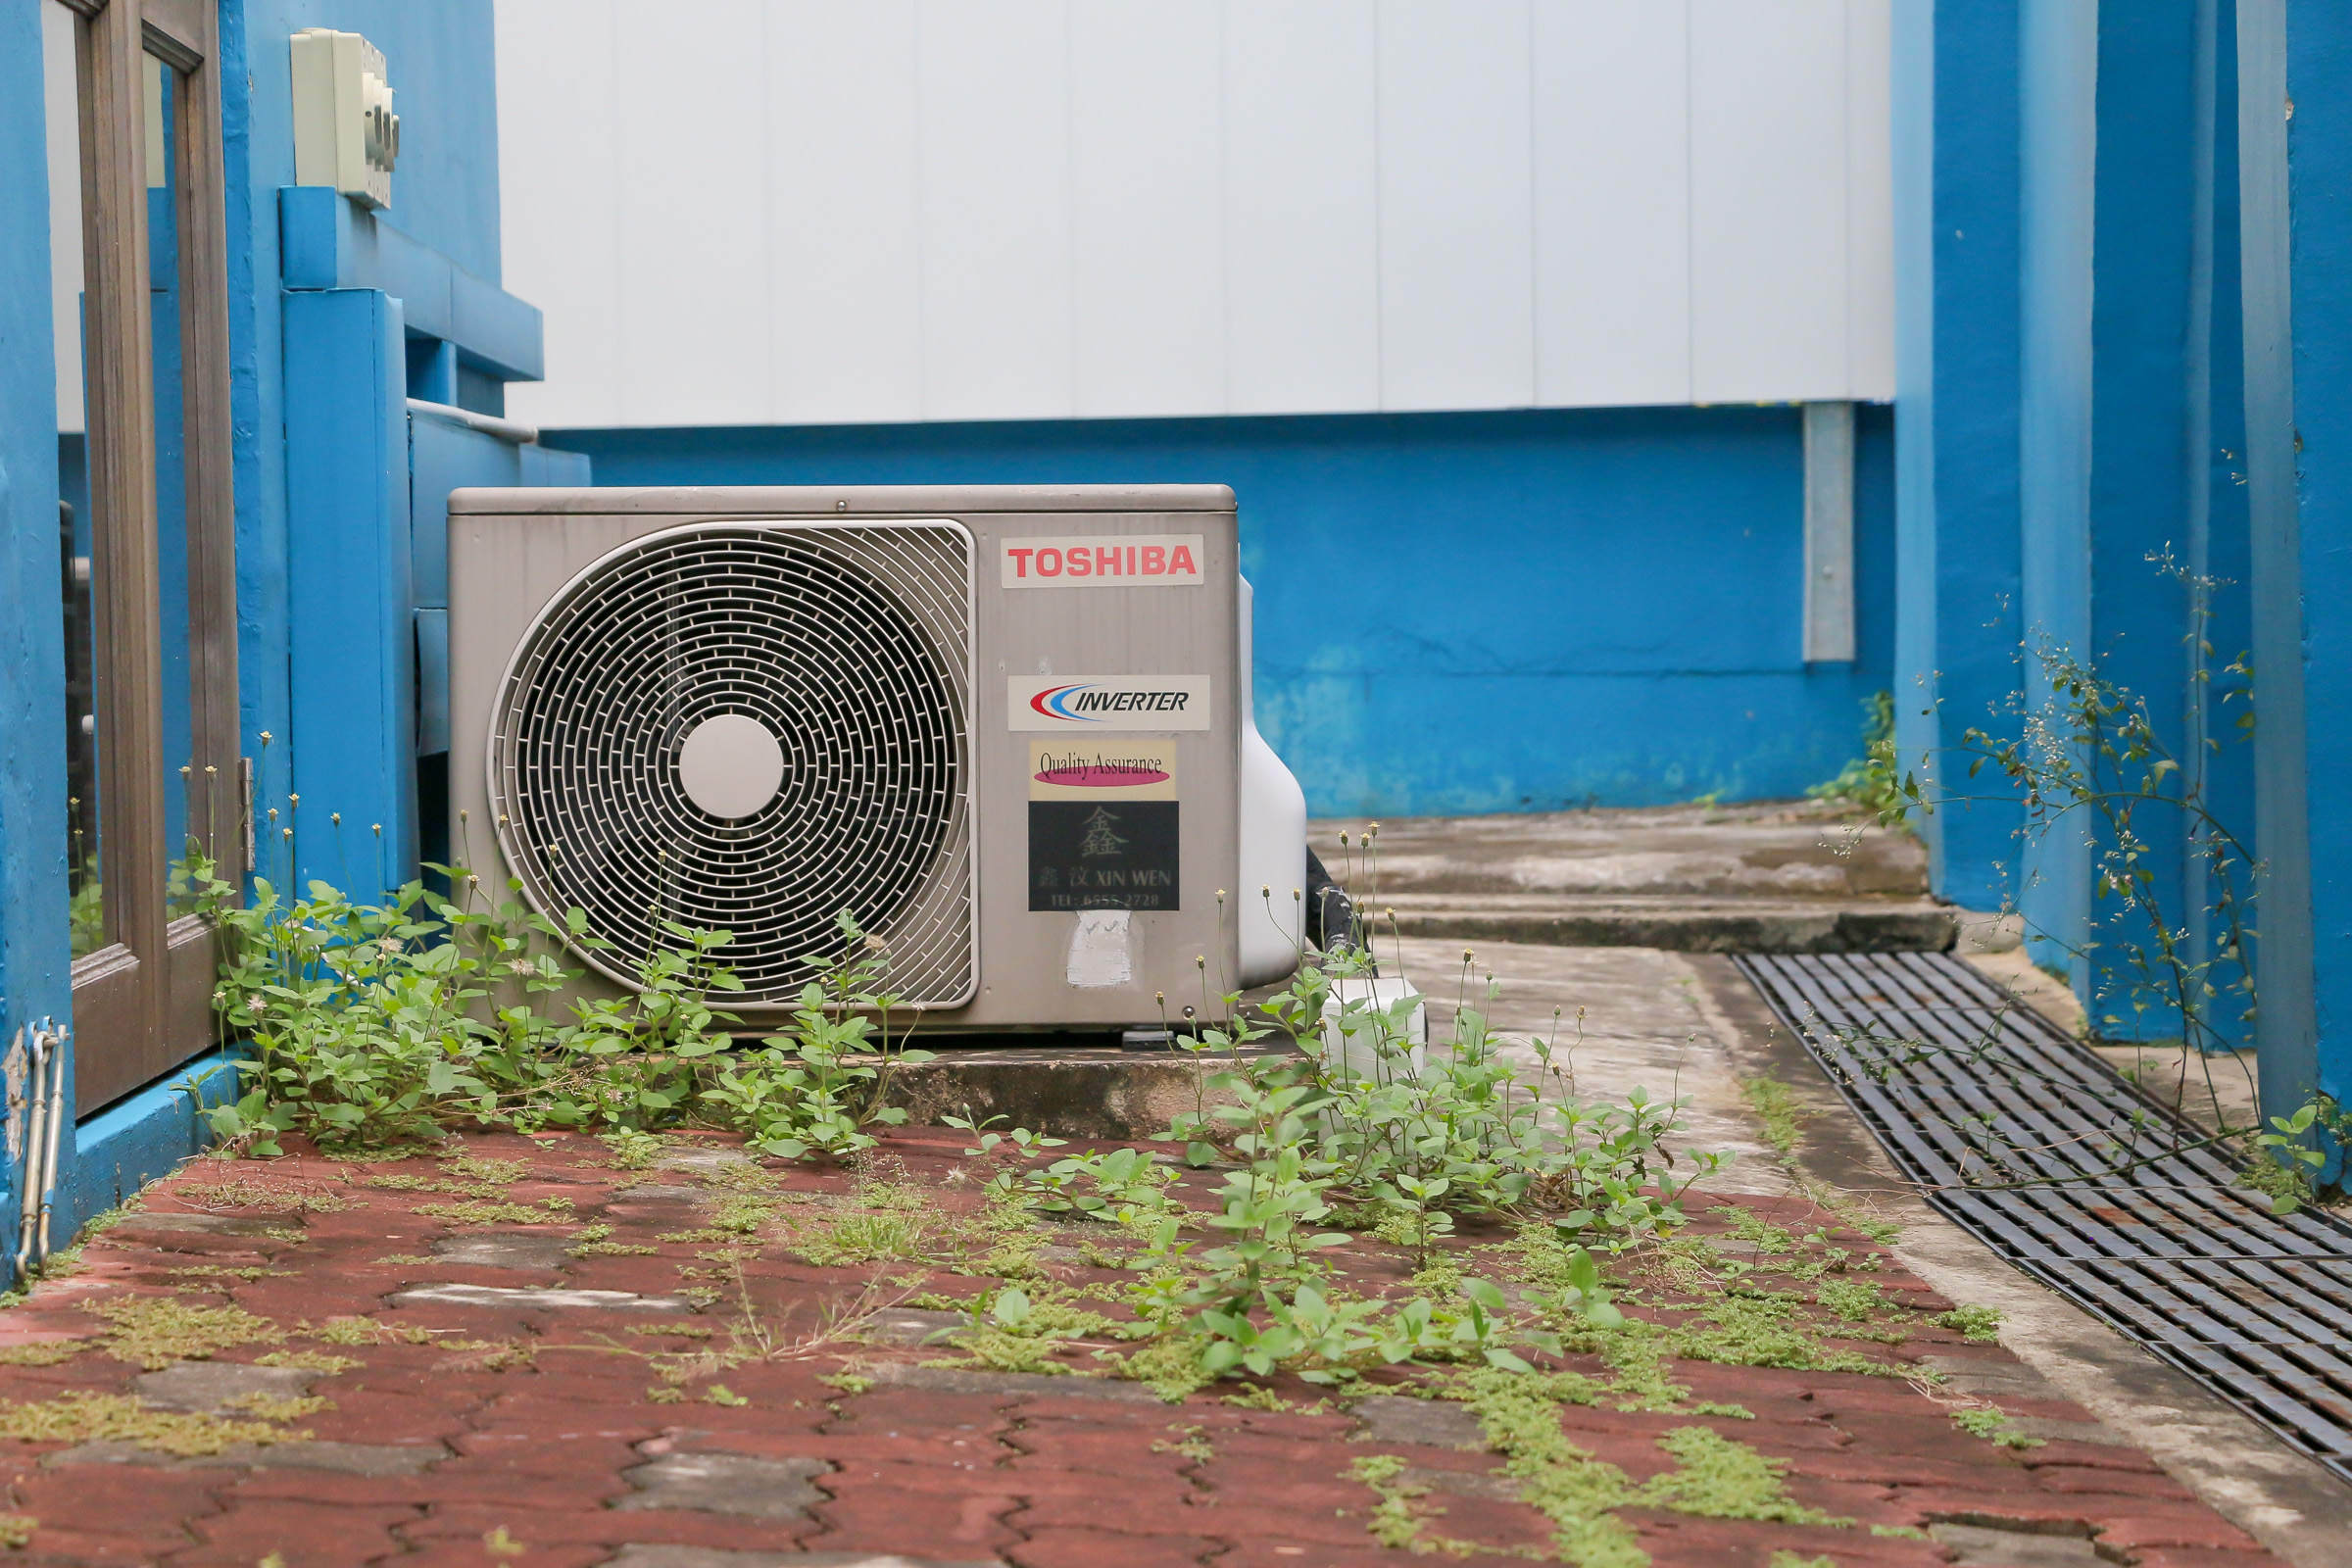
{"x": 512, "y": 550}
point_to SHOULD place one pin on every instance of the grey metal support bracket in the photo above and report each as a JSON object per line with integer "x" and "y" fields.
{"x": 1829, "y": 533}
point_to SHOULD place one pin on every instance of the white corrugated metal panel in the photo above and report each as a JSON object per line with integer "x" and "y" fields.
{"x": 1613, "y": 182}
{"x": 1301, "y": 207}
{"x": 1768, "y": 202}
{"x": 994, "y": 82}
{"x": 1456, "y": 209}
{"x": 1869, "y": 200}
{"x": 809, "y": 212}
{"x": 58, "y": 99}
{"x": 693, "y": 316}
{"x": 561, "y": 199}
{"x": 1148, "y": 208}
{"x": 843, "y": 185}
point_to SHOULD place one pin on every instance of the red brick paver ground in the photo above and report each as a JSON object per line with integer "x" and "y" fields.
{"x": 521, "y": 1425}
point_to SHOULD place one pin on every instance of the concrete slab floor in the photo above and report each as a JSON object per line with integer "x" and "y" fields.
{"x": 1647, "y": 1022}
{"x": 1691, "y": 1023}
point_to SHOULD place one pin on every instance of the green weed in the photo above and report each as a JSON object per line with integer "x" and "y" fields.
{"x": 1778, "y": 1112}
{"x": 865, "y": 1239}
{"x": 1978, "y": 1323}
{"x": 1995, "y": 1427}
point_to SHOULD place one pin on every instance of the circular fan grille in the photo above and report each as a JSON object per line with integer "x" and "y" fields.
{"x": 807, "y": 632}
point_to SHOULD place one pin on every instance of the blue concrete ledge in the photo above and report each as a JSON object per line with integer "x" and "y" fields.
{"x": 325, "y": 242}
{"x": 139, "y": 1138}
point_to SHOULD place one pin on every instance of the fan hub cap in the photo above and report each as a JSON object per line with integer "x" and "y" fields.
{"x": 731, "y": 765}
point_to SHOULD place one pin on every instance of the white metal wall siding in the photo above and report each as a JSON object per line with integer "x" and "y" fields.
{"x": 795, "y": 212}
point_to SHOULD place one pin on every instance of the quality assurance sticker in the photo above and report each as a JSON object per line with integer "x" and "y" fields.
{"x": 1104, "y": 771}
{"x": 1102, "y": 824}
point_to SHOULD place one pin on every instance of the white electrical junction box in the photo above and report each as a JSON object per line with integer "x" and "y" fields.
{"x": 345, "y": 132}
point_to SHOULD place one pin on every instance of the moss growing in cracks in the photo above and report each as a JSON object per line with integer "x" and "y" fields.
{"x": 1993, "y": 1426}
{"x": 87, "y": 1417}
{"x": 154, "y": 1331}
{"x": 1713, "y": 1477}
{"x": 1720, "y": 1479}
{"x": 1521, "y": 1416}
{"x": 1778, "y": 1111}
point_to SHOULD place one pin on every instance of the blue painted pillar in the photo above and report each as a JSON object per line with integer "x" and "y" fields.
{"x": 2218, "y": 721}
{"x": 352, "y": 675}
{"x": 2145, "y": 468}
{"x": 2295, "y": 161}
{"x": 1958, "y": 569}
{"x": 2059, "y": 87}
{"x": 34, "y": 962}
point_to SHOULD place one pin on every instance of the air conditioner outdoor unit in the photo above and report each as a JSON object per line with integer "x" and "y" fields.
{"x": 1007, "y": 728}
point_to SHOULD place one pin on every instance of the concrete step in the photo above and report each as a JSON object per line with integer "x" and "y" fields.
{"x": 1682, "y": 924}
{"x": 1767, "y": 876}
{"x": 1780, "y": 851}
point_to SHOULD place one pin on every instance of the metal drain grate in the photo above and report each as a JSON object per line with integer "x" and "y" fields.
{"x": 1967, "y": 1092}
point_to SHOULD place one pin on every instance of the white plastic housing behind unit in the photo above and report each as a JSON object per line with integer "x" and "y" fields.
{"x": 1273, "y": 891}
{"x": 345, "y": 132}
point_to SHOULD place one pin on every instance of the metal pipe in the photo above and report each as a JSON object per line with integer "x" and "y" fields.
{"x": 514, "y": 431}
{"x": 29, "y": 1196}
{"x": 56, "y": 1122}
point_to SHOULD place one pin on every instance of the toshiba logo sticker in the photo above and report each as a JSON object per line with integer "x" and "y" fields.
{"x": 1132, "y": 560}
{"x": 1130, "y": 703}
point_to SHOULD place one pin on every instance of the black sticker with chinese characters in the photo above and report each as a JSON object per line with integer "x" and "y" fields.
{"x": 1102, "y": 854}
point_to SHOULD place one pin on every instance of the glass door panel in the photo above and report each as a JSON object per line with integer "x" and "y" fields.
{"x": 174, "y": 689}
{"x": 87, "y": 906}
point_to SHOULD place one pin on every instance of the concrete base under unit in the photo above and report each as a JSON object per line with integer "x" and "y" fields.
{"x": 1066, "y": 1091}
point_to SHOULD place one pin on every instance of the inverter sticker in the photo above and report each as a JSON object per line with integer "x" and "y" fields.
{"x": 1124, "y": 560}
{"x": 1101, "y": 825}
{"x": 1074, "y": 704}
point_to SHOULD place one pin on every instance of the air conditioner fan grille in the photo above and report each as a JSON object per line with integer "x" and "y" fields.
{"x": 848, "y": 645}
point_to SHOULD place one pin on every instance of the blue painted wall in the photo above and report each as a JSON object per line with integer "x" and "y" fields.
{"x": 2218, "y": 528}
{"x": 2072, "y": 449}
{"x": 35, "y": 977}
{"x": 444, "y": 194}
{"x": 1466, "y": 611}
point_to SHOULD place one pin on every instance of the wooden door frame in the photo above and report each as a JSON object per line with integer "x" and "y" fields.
{"x": 143, "y": 1002}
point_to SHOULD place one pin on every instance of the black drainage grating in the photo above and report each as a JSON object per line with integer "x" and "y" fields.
{"x": 2034, "y": 1144}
